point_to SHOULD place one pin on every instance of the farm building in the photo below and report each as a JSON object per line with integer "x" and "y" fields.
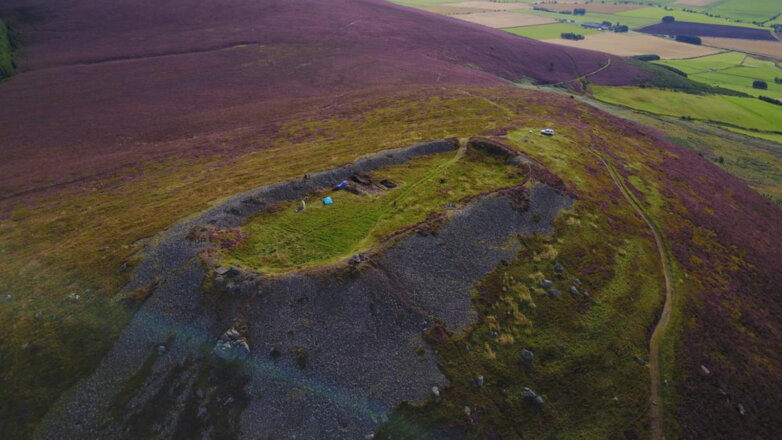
{"x": 596, "y": 26}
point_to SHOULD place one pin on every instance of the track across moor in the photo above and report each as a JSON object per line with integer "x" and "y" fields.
{"x": 655, "y": 341}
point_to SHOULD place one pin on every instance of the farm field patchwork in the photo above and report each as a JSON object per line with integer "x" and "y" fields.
{"x": 629, "y": 44}
{"x": 732, "y": 70}
{"x": 683, "y": 16}
{"x": 591, "y": 17}
{"x": 636, "y": 18}
{"x": 750, "y": 113}
{"x": 752, "y": 10}
{"x": 599, "y": 8}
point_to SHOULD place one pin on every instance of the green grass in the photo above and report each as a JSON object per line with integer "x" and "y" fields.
{"x": 658, "y": 13}
{"x": 664, "y": 78}
{"x": 7, "y": 67}
{"x": 748, "y": 113}
{"x": 322, "y": 234}
{"x": 549, "y": 31}
{"x": 754, "y": 10}
{"x": 722, "y": 60}
{"x": 636, "y": 18}
{"x": 731, "y": 70}
{"x": 768, "y": 136}
{"x": 632, "y": 22}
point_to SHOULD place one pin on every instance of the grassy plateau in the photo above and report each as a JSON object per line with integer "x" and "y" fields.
{"x": 321, "y": 234}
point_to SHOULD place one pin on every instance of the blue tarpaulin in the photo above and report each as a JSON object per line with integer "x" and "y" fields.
{"x": 328, "y": 201}
{"x": 342, "y": 185}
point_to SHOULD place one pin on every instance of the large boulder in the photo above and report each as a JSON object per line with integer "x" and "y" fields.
{"x": 233, "y": 345}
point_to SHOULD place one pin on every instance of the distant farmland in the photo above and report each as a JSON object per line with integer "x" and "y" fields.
{"x": 732, "y": 70}
{"x": 758, "y": 47}
{"x": 708, "y": 30}
{"x": 747, "y": 113}
{"x": 637, "y": 44}
{"x": 504, "y": 19}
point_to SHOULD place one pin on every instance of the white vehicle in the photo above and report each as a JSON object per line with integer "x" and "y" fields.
{"x": 547, "y": 132}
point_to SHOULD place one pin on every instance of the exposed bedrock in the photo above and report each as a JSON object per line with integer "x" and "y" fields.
{"x": 329, "y": 355}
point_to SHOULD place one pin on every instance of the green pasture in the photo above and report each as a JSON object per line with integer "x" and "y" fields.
{"x": 636, "y": 18}
{"x": 752, "y": 10}
{"x": 6, "y": 57}
{"x": 320, "y": 234}
{"x": 589, "y": 17}
{"x": 549, "y": 31}
{"x": 749, "y": 113}
{"x": 658, "y": 13}
{"x": 731, "y": 70}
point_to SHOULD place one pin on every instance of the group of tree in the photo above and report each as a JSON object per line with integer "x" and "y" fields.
{"x": 778, "y": 80}
{"x": 649, "y": 57}
{"x": 691, "y": 39}
{"x": 758, "y": 84}
{"x": 770, "y": 100}
{"x": 571, "y": 36}
{"x": 579, "y": 11}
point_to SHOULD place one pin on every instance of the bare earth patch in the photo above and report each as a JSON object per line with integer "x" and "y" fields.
{"x": 764, "y": 48}
{"x": 637, "y": 44}
{"x": 452, "y": 10}
{"x": 492, "y": 6}
{"x": 600, "y": 8}
{"x": 504, "y": 19}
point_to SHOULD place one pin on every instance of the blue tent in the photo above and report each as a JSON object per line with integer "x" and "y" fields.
{"x": 328, "y": 201}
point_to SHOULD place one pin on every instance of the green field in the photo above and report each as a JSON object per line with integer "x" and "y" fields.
{"x": 731, "y": 70}
{"x": 321, "y": 234}
{"x": 6, "y": 59}
{"x": 632, "y": 22}
{"x": 658, "y": 13}
{"x": 730, "y": 110}
{"x": 549, "y": 31}
{"x": 753, "y": 10}
{"x": 636, "y": 18}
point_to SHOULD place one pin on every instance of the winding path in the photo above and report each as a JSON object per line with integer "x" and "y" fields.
{"x": 655, "y": 342}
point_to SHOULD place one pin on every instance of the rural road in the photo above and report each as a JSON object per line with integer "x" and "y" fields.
{"x": 659, "y": 331}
